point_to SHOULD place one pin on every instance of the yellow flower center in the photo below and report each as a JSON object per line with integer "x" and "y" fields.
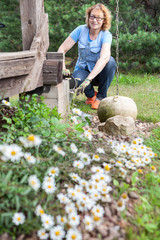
{"x": 33, "y": 182}
{"x": 57, "y": 233}
{"x": 41, "y": 211}
{"x": 153, "y": 167}
{"x": 107, "y": 168}
{"x": 49, "y": 186}
{"x": 96, "y": 156}
{"x": 43, "y": 233}
{"x": 73, "y": 236}
{"x": 96, "y": 218}
{"x": 19, "y": 219}
{"x": 31, "y": 138}
{"x": 140, "y": 171}
{"x": 124, "y": 196}
{"x": 47, "y": 221}
{"x": 120, "y": 204}
{"x": 62, "y": 219}
{"x": 53, "y": 171}
{"x": 87, "y": 223}
{"x": 74, "y": 218}
{"x": 13, "y": 153}
{"x": 29, "y": 158}
{"x": 134, "y": 142}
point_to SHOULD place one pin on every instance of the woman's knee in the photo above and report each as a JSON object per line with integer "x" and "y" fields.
{"x": 111, "y": 63}
{"x": 82, "y": 74}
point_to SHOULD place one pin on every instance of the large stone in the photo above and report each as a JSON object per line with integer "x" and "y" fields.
{"x": 118, "y": 105}
{"x": 119, "y": 125}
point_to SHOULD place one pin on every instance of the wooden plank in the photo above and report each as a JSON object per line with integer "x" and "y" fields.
{"x": 52, "y": 71}
{"x": 40, "y": 44}
{"x": 16, "y": 67}
{"x": 16, "y": 55}
{"x": 54, "y": 56}
{"x": 13, "y": 86}
{"x": 31, "y": 20}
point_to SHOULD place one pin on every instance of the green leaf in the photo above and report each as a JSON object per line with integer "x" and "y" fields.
{"x": 8, "y": 177}
{"x": 115, "y": 182}
{"x": 26, "y": 192}
{"x": 134, "y": 178}
{"x": 17, "y": 203}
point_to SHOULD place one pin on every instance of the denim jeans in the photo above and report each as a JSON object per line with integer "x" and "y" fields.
{"x": 102, "y": 80}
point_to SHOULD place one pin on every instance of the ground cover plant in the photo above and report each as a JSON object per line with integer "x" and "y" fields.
{"x": 59, "y": 181}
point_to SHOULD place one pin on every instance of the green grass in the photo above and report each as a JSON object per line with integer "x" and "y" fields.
{"x": 143, "y": 89}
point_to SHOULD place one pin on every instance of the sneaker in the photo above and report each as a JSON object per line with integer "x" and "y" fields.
{"x": 95, "y": 105}
{"x": 91, "y": 100}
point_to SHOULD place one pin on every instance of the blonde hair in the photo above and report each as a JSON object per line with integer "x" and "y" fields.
{"x": 107, "y": 15}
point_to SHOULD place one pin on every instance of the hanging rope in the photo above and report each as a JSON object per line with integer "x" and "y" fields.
{"x": 117, "y": 45}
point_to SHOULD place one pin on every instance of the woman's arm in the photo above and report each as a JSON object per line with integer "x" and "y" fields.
{"x": 102, "y": 61}
{"x": 65, "y": 47}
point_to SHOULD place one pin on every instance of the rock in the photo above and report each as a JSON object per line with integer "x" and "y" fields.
{"x": 133, "y": 195}
{"x": 119, "y": 125}
{"x": 103, "y": 230}
{"x": 86, "y": 236}
{"x": 112, "y": 106}
{"x": 5, "y": 236}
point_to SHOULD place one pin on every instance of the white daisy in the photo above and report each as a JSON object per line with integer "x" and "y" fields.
{"x": 31, "y": 141}
{"x": 88, "y": 135}
{"x": 53, "y": 171}
{"x": 59, "y": 150}
{"x": 39, "y": 211}
{"x": 34, "y": 182}
{"x": 6, "y": 103}
{"x": 120, "y": 205}
{"x": 42, "y": 234}
{"x": 49, "y": 187}
{"x": 77, "y": 111}
{"x": 18, "y": 218}
{"x": 88, "y": 222}
{"x": 74, "y": 119}
{"x": 62, "y": 220}
{"x": 79, "y": 164}
{"x": 13, "y": 152}
{"x": 100, "y": 150}
{"x": 74, "y": 177}
{"x": 74, "y": 219}
{"x": 96, "y": 158}
{"x": 57, "y": 233}
{"x": 29, "y": 158}
{"x": 47, "y": 221}
{"x": 73, "y": 234}
{"x": 63, "y": 198}
{"x": 73, "y": 147}
{"x": 98, "y": 211}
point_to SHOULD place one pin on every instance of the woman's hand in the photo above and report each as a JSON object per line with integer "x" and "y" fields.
{"x": 82, "y": 86}
{"x": 66, "y": 72}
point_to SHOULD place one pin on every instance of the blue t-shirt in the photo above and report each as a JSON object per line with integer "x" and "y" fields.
{"x": 107, "y": 36}
{"x": 89, "y": 50}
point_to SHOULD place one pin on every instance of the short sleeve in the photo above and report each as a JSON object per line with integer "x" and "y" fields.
{"x": 76, "y": 33}
{"x": 107, "y": 37}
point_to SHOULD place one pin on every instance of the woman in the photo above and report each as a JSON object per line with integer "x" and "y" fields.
{"x": 94, "y": 66}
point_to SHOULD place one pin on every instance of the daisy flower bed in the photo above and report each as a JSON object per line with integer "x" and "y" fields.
{"x": 59, "y": 182}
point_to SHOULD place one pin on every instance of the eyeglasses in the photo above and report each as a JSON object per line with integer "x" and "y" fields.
{"x": 99, "y": 19}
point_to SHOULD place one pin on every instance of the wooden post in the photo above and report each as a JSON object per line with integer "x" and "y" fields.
{"x": 31, "y": 19}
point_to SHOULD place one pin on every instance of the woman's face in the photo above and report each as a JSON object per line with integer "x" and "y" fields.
{"x": 96, "y": 19}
